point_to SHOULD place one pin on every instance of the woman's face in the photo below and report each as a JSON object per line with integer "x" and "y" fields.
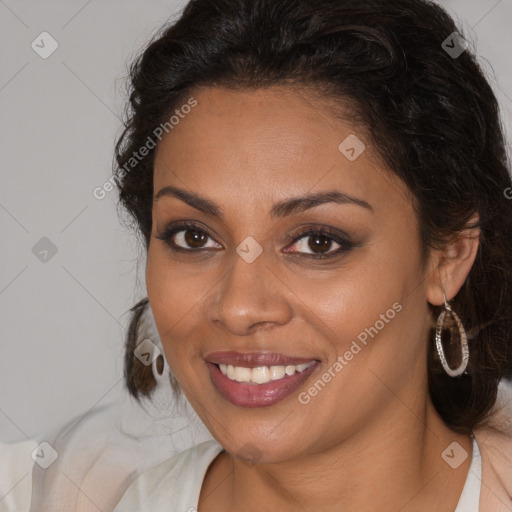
{"x": 238, "y": 288}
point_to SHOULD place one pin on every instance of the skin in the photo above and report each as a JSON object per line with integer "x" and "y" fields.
{"x": 371, "y": 436}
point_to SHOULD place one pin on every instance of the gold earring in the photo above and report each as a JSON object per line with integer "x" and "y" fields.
{"x": 463, "y": 341}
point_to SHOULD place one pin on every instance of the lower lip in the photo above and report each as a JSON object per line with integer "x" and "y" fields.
{"x": 245, "y": 394}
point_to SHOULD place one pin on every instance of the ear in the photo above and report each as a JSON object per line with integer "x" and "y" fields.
{"x": 450, "y": 266}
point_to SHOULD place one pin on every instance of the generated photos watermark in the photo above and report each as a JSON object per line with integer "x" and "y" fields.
{"x": 179, "y": 114}
{"x": 342, "y": 361}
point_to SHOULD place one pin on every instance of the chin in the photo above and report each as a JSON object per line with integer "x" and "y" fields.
{"x": 260, "y": 446}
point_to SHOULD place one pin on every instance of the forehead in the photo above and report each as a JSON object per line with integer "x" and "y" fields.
{"x": 246, "y": 146}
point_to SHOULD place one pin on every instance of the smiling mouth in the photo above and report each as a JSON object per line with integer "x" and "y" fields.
{"x": 258, "y": 379}
{"x": 261, "y": 374}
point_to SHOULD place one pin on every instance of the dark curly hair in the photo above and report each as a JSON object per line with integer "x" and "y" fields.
{"x": 430, "y": 113}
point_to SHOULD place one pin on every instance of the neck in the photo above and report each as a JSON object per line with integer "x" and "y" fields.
{"x": 390, "y": 465}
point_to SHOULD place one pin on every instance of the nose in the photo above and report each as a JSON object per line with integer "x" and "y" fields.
{"x": 251, "y": 296}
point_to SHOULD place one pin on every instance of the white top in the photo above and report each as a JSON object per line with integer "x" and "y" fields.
{"x": 175, "y": 484}
{"x": 15, "y": 475}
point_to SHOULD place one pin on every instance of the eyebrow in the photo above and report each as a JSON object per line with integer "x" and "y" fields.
{"x": 279, "y": 209}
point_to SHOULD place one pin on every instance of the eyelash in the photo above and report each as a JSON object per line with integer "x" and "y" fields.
{"x": 345, "y": 244}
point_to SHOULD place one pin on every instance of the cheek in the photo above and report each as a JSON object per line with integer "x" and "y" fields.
{"x": 368, "y": 309}
{"x": 174, "y": 300}
{"x": 353, "y": 296}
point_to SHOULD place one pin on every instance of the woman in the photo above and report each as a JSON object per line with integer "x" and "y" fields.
{"x": 321, "y": 189}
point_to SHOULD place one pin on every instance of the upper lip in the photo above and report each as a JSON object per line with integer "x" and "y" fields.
{"x": 254, "y": 359}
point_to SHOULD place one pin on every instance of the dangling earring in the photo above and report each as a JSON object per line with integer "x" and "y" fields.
{"x": 161, "y": 378}
{"x": 463, "y": 341}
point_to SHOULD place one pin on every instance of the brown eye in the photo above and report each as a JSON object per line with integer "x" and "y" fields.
{"x": 315, "y": 244}
{"x": 319, "y": 243}
{"x": 195, "y": 238}
{"x": 187, "y": 237}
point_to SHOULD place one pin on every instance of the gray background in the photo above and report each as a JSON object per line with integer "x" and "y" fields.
{"x": 63, "y": 321}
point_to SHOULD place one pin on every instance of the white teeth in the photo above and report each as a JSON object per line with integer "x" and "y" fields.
{"x": 289, "y": 370}
{"x": 261, "y": 374}
{"x": 243, "y": 374}
{"x": 277, "y": 372}
{"x": 231, "y": 372}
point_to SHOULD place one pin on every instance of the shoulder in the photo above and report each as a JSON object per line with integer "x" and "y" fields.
{"x": 16, "y": 463}
{"x": 495, "y": 445}
{"x": 176, "y": 480}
